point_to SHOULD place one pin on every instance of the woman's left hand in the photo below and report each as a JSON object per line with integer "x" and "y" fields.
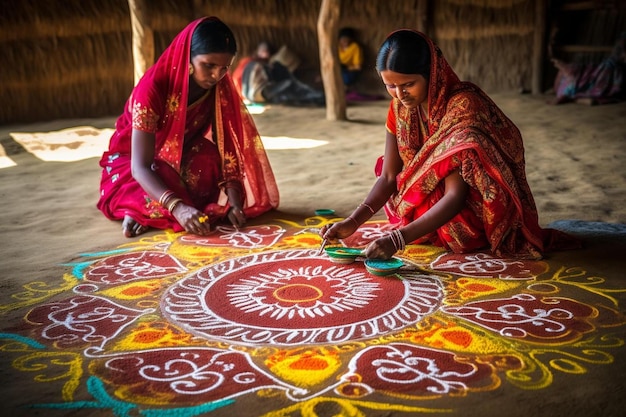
{"x": 193, "y": 220}
{"x": 381, "y": 248}
{"x": 236, "y": 216}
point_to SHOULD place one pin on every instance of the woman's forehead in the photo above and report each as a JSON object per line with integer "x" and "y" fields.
{"x": 220, "y": 59}
{"x": 392, "y": 77}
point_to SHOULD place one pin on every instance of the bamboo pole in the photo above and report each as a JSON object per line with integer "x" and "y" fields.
{"x": 327, "y": 32}
{"x": 143, "y": 38}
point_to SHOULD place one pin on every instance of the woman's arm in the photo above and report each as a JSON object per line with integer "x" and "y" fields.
{"x": 383, "y": 188}
{"x": 142, "y": 157}
{"x": 385, "y": 185}
{"x": 452, "y": 202}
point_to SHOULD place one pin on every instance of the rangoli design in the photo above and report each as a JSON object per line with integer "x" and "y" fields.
{"x": 176, "y": 324}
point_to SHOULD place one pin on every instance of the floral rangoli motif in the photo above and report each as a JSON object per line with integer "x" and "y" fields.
{"x": 183, "y": 324}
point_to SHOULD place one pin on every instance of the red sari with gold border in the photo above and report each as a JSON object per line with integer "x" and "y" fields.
{"x": 200, "y": 149}
{"x": 466, "y": 131}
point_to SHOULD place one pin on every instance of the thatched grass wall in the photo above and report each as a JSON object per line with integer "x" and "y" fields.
{"x": 490, "y": 46}
{"x": 73, "y": 58}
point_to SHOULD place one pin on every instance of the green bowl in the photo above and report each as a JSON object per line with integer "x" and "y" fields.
{"x": 340, "y": 252}
{"x": 383, "y": 267}
{"x": 324, "y": 212}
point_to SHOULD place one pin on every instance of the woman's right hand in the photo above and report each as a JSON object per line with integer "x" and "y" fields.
{"x": 339, "y": 230}
{"x": 193, "y": 220}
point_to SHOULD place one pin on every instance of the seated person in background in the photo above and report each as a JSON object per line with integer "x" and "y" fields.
{"x": 268, "y": 78}
{"x": 350, "y": 57}
{"x": 351, "y": 60}
{"x": 591, "y": 84}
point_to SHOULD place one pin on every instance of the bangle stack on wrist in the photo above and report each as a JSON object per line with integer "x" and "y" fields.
{"x": 169, "y": 200}
{"x": 165, "y": 196}
{"x": 171, "y": 205}
{"x": 397, "y": 239}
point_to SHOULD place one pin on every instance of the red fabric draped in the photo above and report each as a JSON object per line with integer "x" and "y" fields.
{"x": 466, "y": 131}
{"x": 199, "y": 148}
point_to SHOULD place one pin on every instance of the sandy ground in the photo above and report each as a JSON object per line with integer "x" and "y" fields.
{"x": 574, "y": 156}
{"x": 575, "y": 168}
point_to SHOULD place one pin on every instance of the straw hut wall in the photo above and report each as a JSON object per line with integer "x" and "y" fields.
{"x": 73, "y": 58}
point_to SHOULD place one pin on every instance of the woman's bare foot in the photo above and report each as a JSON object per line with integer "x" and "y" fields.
{"x": 131, "y": 228}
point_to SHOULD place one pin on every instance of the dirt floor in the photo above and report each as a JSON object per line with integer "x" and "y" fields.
{"x": 575, "y": 167}
{"x": 574, "y": 157}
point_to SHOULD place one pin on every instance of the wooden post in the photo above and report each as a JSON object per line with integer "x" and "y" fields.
{"x": 327, "y": 32}
{"x": 143, "y": 39}
{"x": 539, "y": 39}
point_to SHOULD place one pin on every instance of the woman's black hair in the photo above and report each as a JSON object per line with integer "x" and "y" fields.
{"x": 347, "y": 32}
{"x": 212, "y": 36}
{"x": 406, "y": 52}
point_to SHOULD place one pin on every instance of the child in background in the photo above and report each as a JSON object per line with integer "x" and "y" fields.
{"x": 350, "y": 56}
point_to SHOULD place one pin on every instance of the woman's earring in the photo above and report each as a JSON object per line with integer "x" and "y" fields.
{"x": 190, "y": 69}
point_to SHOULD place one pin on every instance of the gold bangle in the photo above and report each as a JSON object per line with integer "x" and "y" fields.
{"x": 397, "y": 239}
{"x": 369, "y": 207}
{"x": 172, "y": 205}
{"x": 354, "y": 220}
{"x": 165, "y": 196}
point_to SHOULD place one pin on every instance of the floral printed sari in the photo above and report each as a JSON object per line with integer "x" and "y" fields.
{"x": 466, "y": 132}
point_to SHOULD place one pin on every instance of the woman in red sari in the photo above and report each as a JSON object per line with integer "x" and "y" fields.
{"x": 453, "y": 171}
{"x": 186, "y": 153}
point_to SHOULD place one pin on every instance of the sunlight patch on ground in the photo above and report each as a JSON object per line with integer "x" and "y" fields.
{"x": 255, "y": 108}
{"x": 5, "y": 161}
{"x": 285, "y": 142}
{"x": 67, "y": 145}
{"x": 83, "y": 142}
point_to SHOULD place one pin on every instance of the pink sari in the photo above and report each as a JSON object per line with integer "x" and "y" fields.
{"x": 466, "y": 132}
{"x": 200, "y": 149}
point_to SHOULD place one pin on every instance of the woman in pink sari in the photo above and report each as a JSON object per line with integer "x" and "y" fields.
{"x": 186, "y": 153}
{"x": 453, "y": 171}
